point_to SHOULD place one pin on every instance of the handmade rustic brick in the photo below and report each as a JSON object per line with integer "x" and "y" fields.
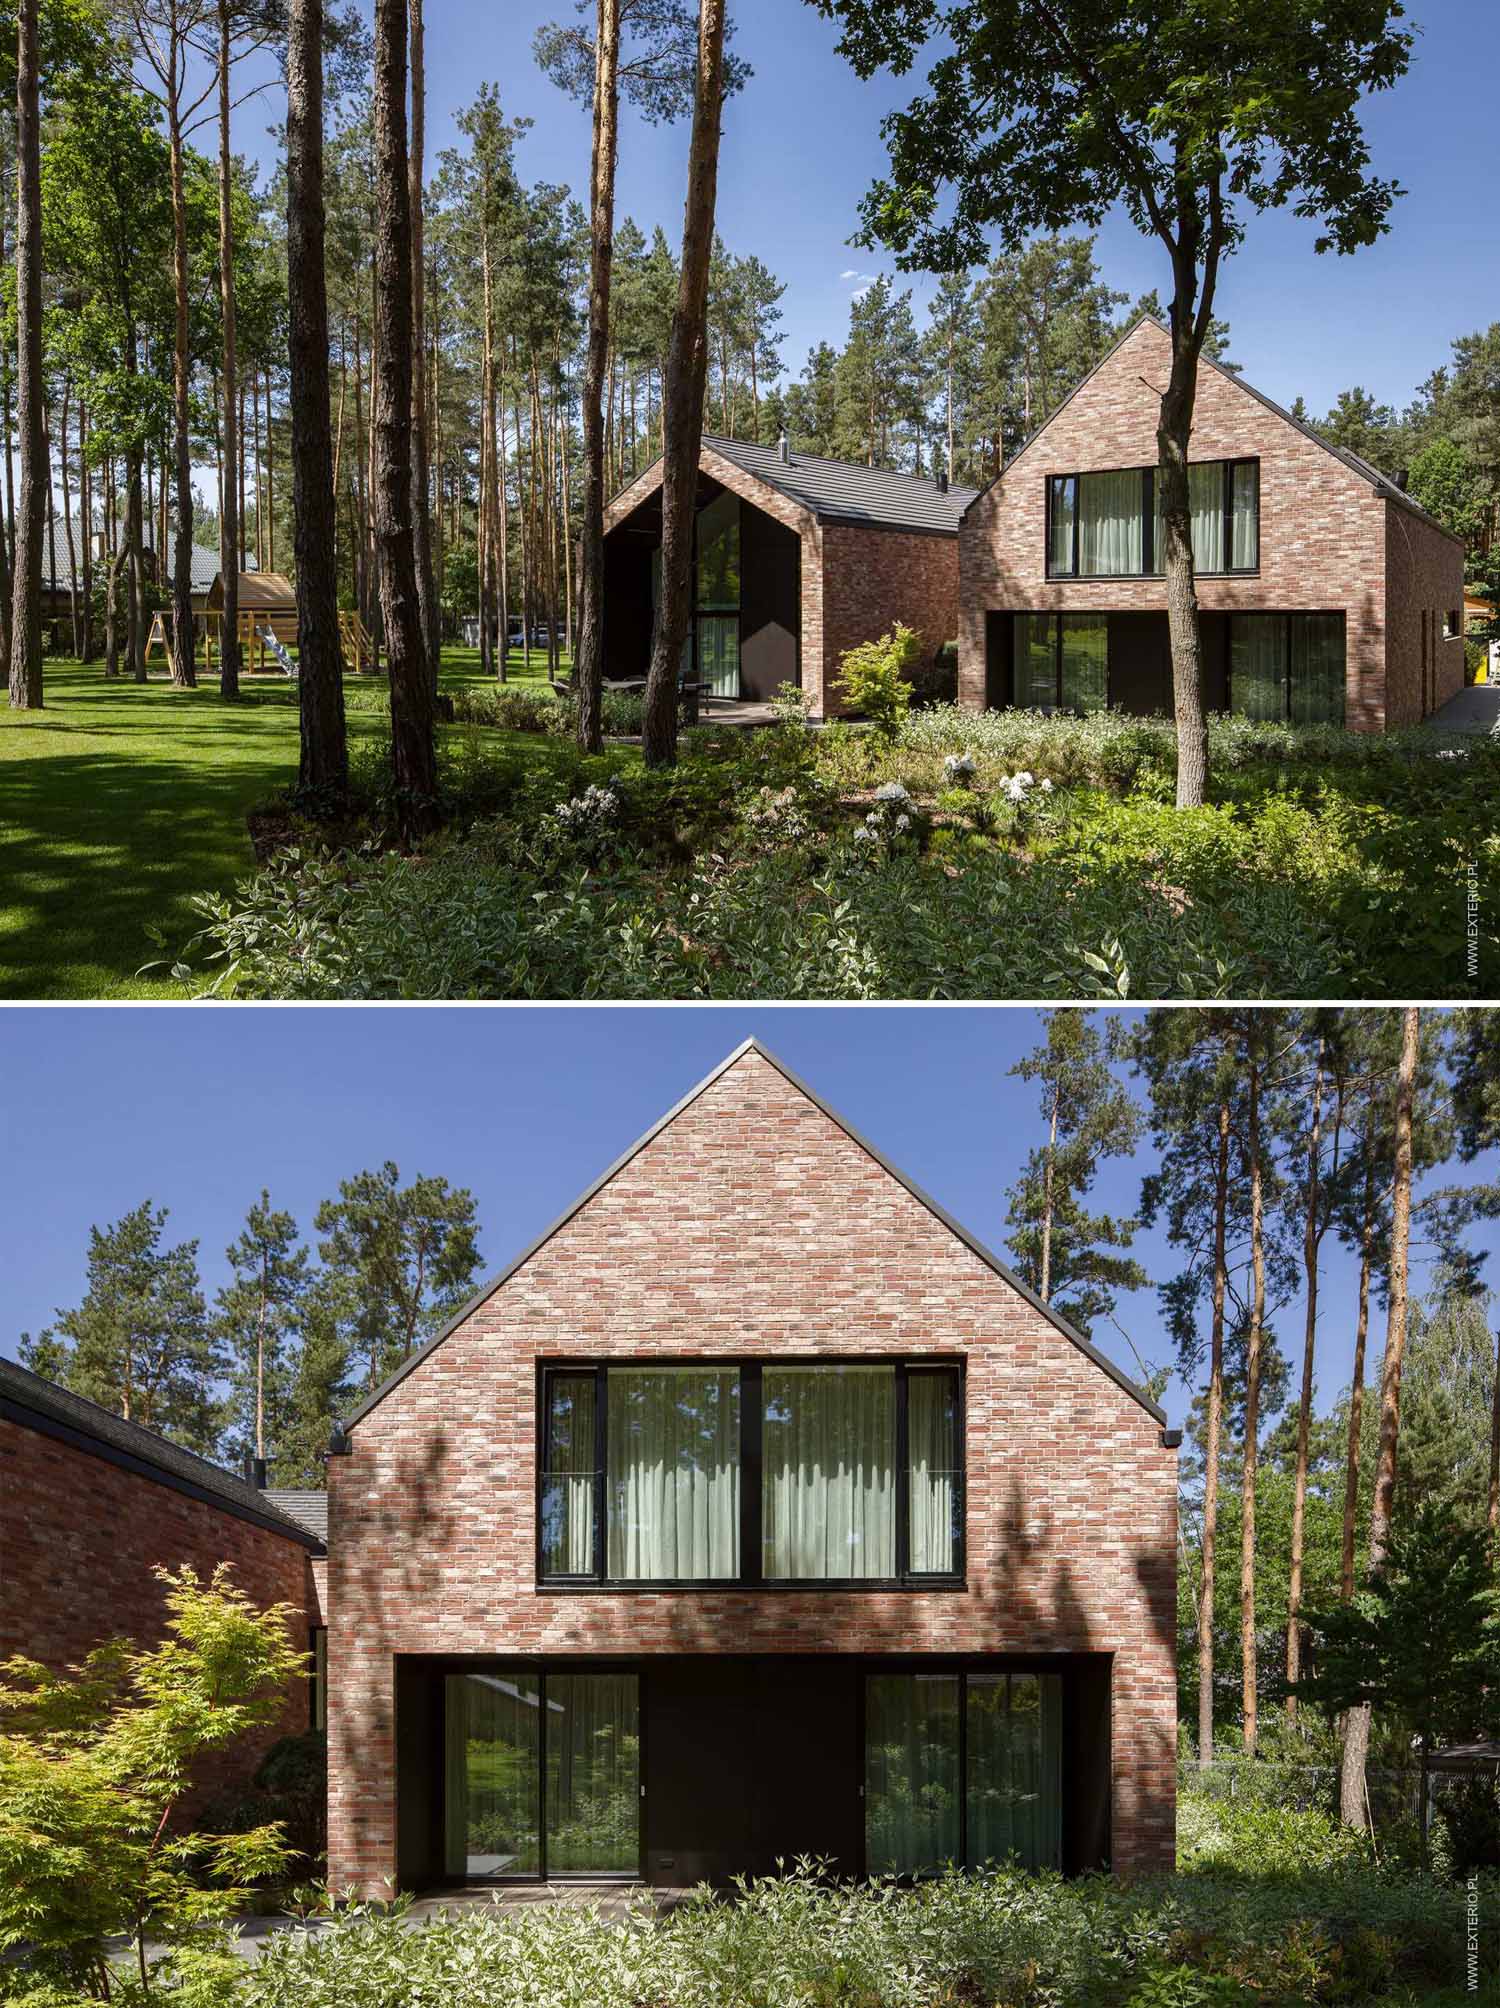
{"x": 1330, "y": 540}
{"x": 751, "y": 1224}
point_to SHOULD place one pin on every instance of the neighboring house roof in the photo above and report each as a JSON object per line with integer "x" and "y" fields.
{"x": 848, "y": 493}
{"x": 839, "y": 491}
{"x": 976, "y": 1247}
{"x": 1382, "y": 483}
{"x": 308, "y": 1509}
{"x": 34, "y": 1402}
{"x": 205, "y": 568}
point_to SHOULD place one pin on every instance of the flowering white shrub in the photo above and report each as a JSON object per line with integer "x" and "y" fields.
{"x": 1018, "y": 788}
{"x": 959, "y": 769}
{"x": 778, "y": 813}
{"x": 892, "y": 821}
{"x": 591, "y": 812}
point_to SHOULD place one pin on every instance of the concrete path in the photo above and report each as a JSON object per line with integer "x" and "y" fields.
{"x": 1475, "y": 709}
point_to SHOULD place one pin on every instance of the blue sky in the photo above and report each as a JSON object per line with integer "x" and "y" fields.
{"x": 197, "y": 1109}
{"x": 802, "y": 144}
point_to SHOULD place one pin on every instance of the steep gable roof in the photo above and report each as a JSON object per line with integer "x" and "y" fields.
{"x": 843, "y": 491}
{"x": 1366, "y": 470}
{"x": 975, "y": 1246}
{"x": 34, "y": 1402}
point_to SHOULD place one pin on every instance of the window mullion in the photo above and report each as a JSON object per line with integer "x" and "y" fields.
{"x": 601, "y": 1451}
{"x": 1077, "y": 480}
{"x": 903, "y": 1478}
{"x": 751, "y": 1440}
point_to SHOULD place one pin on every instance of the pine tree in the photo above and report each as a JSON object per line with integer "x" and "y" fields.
{"x": 140, "y": 1343}
{"x": 257, "y": 1319}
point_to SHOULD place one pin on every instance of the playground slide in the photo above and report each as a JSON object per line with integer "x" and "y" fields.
{"x": 278, "y": 649}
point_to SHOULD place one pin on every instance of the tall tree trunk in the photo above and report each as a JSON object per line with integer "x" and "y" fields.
{"x": 1248, "y": 1670}
{"x": 26, "y": 585}
{"x": 229, "y": 522}
{"x": 1048, "y": 1174}
{"x": 588, "y": 658}
{"x": 1357, "y": 1381}
{"x": 413, "y": 755}
{"x": 1492, "y": 1513}
{"x": 68, "y": 529}
{"x": 420, "y": 457}
{"x": 86, "y": 524}
{"x": 1189, "y": 318}
{"x": 687, "y": 363}
{"x": 323, "y": 770}
{"x": 1311, "y": 1237}
{"x": 500, "y": 453}
{"x": 184, "y": 674}
{"x": 1211, "y": 1450}
{"x": 1352, "y": 1790}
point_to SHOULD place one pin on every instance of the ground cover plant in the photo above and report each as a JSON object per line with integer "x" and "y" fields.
{"x": 1278, "y": 1909}
{"x": 1003, "y": 855}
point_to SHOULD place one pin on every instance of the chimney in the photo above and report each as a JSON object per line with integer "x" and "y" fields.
{"x": 941, "y": 477}
{"x": 784, "y": 449}
{"x": 1401, "y": 480}
{"x": 255, "y": 1471}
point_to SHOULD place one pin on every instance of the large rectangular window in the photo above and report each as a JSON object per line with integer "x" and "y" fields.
{"x": 963, "y": 1768}
{"x": 1062, "y": 662}
{"x": 541, "y": 1774}
{"x": 1108, "y": 525}
{"x": 710, "y": 1472}
{"x": 1287, "y": 667}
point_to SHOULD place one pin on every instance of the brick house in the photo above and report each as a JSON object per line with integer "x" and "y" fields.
{"x": 1325, "y": 592}
{"x": 796, "y": 559}
{"x": 91, "y": 1505}
{"x": 755, "y": 1510}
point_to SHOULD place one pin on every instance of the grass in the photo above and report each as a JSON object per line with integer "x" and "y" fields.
{"x": 119, "y": 801}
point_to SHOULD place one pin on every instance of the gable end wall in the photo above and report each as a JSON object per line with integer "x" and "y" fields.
{"x": 751, "y": 1224}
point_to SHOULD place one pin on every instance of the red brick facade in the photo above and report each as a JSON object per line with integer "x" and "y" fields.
{"x": 1330, "y": 541}
{"x": 80, "y": 1537}
{"x": 752, "y": 1222}
{"x": 857, "y": 580}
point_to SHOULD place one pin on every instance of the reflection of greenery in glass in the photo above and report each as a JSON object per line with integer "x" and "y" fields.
{"x": 911, "y": 1772}
{"x": 593, "y": 1774}
{"x": 568, "y": 1498}
{"x": 1085, "y": 657}
{"x": 492, "y": 1790}
{"x": 719, "y": 555}
{"x": 1036, "y": 660}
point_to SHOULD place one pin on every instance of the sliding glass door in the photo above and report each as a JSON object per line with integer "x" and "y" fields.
{"x": 962, "y": 1768}
{"x": 509, "y": 1735}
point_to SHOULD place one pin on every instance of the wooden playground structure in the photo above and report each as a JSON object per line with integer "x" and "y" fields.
{"x": 267, "y": 627}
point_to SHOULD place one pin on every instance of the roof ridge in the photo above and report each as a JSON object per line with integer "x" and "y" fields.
{"x": 800, "y": 453}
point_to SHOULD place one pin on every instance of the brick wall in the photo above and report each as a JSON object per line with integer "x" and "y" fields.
{"x": 79, "y": 1539}
{"x": 857, "y": 582}
{"x": 752, "y": 1223}
{"x": 874, "y": 578}
{"x": 1323, "y": 528}
{"x": 1424, "y": 584}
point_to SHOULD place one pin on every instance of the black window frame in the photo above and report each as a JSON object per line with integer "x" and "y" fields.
{"x": 1152, "y": 570}
{"x": 1287, "y": 616}
{"x": 752, "y": 1414}
{"x": 317, "y": 1678}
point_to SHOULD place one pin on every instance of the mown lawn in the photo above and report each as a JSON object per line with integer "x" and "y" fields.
{"x": 119, "y": 801}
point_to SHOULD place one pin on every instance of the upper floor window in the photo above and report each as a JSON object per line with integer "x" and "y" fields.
{"x": 752, "y": 1472}
{"x": 1108, "y": 525}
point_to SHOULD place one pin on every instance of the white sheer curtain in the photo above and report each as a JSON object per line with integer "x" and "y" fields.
{"x": 568, "y": 1502}
{"x": 1245, "y": 509}
{"x": 1206, "y": 507}
{"x": 673, "y": 1474}
{"x": 932, "y": 1448}
{"x": 829, "y": 1472}
{"x": 1110, "y": 529}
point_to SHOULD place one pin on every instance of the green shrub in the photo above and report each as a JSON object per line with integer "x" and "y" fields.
{"x": 873, "y": 679}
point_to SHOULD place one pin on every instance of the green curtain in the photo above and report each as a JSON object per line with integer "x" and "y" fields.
{"x": 674, "y": 1474}
{"x": 593, "y": 1774}
{"x": 1036, "y": 661}
{"x": 491, "y": 1797}
{"x": 1110, "y": 525}
{"x": 828, "y": 1472}
{"x": 1014, "y": 1739}
{"x": 1257, "y": 665}
{"x": 932, "y": 1451}
{"x": 911, "y": 1772}
{"x": 1317, "y": 669}
{"x": 568, "y": 1498}
{"x": 1085, "y": 661}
